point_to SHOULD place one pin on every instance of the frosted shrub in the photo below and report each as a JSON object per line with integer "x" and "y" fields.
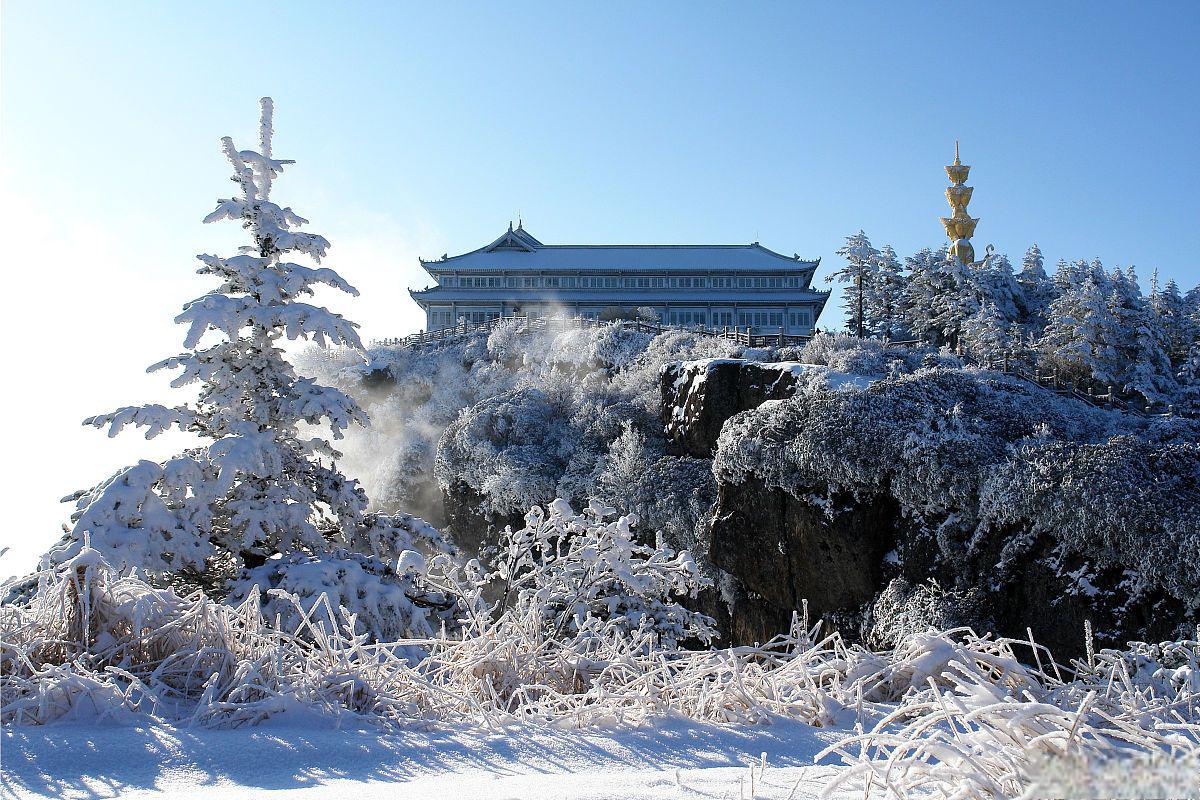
{"x": 507, "y": 341}
{"x": 571, "y": 569}
{"x": 1127, "y": 504}
{"x": 855, "y": 356}
{"x": 902, "y": 611}
{"x": 388, "y": 601}
{"x": 609, "y": 348}
{"x": 510, "y": 449}
{"x": 997, "y": 480}
{"x": 632, "y": 476}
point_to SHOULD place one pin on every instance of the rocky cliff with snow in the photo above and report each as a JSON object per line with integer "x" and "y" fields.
{"x": 1019, "y": 504}
{"x": 889, "y": 488}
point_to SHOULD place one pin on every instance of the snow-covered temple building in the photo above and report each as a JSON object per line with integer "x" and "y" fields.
{"x": 745, "y": 285}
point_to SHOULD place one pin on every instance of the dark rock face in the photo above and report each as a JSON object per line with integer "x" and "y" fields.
{"x": 785, "y": 550}
{"x": 1041, "y": 598}
{"x": 471, "y": 529}
{"x": 698, "y": 396}
{"x": 378, "y": 379}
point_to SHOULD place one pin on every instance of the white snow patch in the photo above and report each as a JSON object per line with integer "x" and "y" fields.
{"x": 671, "y": 759}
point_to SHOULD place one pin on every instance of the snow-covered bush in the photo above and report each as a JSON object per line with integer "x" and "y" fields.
{"x": 1126, "y": 504}
{"x": 608, "y": 348}
{"x": 584, "y": 575}
{"x": 260, "y": 498}
{"x": 855, "y": 356}
{"x": 902, "y": 611}
{"x": 510, "y": 449}
{"x": 387, "y": 602}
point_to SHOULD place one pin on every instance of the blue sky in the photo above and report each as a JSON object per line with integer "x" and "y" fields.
{"x": 423, "y": 128}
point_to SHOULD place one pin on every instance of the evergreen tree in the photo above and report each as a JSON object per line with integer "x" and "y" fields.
{"x": 1141, "y": 341}
{"x": 997, "y": 285}
{"x": 859, "y": 274}
{"x": 921, "y": 295}
{"x": 258, "y": 502}
{"x": 1187, "y": 365}
{"x": 1078, "y": 342}
{"x": 885, "y": 298}
{"x": 1171, "y": 313}
{"x": 985, "y": 334}
{"x": 955, "y": 300}
{"x": 1036, "y": 290}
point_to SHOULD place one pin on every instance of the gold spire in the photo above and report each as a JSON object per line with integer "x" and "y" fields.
{"x": 960, "y": 226}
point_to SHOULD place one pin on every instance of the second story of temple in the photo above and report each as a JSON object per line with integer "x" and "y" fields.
{"x": 715, "y": 286}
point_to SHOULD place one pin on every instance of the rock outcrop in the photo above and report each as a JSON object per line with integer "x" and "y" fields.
{"x": 785, "y": 550}
{"x": 699, "y": 396}
{"x": 829, "y": 495}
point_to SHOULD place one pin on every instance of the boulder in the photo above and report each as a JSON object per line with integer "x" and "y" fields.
{"x": 699, "y": 396}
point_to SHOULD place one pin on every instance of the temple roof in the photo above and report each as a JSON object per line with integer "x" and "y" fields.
{"x": 516, "y": 249}
{"x": 716, "y": 297}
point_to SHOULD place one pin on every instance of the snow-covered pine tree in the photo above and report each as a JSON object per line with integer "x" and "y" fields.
{"x": 1036, "y": 291}
{"x": 1167, "y": 305}
{"x": 923, "y": 286}
{"x": 1142, "y": 342}
{"x": 885, "y": 296}
{"x": 997, "y": 285}
{"x": 259, "y": 501}
{"x": 985, "y": 334}
{"x": 1187, "y": 367}
{"x": 859, "y": 274}
{"x": 955, "y": 299}
{"x": 1079, "y": 343}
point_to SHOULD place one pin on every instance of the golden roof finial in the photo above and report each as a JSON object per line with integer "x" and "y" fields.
{"x": 956, "y": 161}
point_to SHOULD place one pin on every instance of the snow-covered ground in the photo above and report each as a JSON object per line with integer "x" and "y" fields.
{"x": 304, "y": 758}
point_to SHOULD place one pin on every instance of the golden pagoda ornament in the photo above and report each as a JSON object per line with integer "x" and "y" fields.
{"x": 960, "y": 226}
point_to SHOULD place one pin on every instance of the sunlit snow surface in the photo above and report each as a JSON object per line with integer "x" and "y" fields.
{"x": 672, "y": 759}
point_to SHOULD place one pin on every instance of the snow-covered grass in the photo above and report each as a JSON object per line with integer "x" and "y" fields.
{"x": 943, "y": 711}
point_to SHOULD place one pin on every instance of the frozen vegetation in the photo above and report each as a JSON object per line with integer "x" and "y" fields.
{"x": 519, "y": 416}
{"x": 1090, "y": 326}
{"x": 536, "y": 558}
{"x": 951, "y": 711}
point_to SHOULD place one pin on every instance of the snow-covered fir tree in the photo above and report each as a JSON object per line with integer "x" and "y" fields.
{"x": 1171, "y": 312}
{"x": 260, "y": 500}
{"x": 885, "y": 296}
{"x": 859, "y": 274}
{"x": 1143, "y": 342}
{"x": 955, "y": 299}
{"x": 1079, "y": 341}
{"x": 985, "y": 334}
{"x": 926, "y": 283}
{"x": 1037, "y": 290}
{"x": 996, "y": 284}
